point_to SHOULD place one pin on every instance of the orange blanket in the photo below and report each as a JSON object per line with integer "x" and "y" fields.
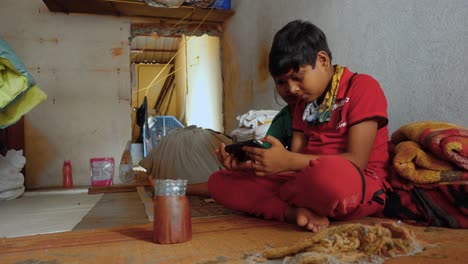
{"x": 420, "y": 167}
{"x": 444, "y": 140}
{"x": 429, "y": 174}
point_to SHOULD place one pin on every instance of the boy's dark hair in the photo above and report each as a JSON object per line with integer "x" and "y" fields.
{"x": 295, "y": 45}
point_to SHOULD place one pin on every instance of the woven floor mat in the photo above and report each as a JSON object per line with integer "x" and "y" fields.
{"x": 199, "y": 206}
{"x": 203, "y": 207}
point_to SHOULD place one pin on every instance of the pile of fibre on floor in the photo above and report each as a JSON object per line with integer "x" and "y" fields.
{"x": 350, "y": 243}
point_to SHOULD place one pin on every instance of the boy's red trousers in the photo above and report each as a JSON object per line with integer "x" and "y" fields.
{"x": 330, "y": 186}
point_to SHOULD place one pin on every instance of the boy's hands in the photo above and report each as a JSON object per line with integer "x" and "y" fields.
{"x": 229, "y": 161}
{"x": 263, "y": 161}
{"x": 268, "y": 161}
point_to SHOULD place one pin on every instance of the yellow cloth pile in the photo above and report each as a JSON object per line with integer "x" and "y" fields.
{"x": 19, "y": 93}
{"x": 30, "y": 99}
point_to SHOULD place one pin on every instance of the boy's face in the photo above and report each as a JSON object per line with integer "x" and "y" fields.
{"x": 285, "y": 93}
{"x": 307, "y": 83}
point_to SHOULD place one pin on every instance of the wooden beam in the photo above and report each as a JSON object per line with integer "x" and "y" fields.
{"x": 135, "y": 8}
{"x": 114, "y": 188}
{"x": 127, "y": 2}
{"x": 151, "y": 50}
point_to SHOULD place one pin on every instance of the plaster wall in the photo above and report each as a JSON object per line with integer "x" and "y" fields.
{"x": 82, "y": 64}
{"x": 416, "y": 50}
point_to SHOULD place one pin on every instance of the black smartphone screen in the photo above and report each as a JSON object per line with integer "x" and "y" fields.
{"x": 236, "y": 148}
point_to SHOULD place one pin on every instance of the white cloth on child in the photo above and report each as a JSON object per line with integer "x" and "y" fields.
{"x": 253, "y": 125}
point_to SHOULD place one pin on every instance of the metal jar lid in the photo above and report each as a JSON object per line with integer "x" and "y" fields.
{"x": 166, "y": 187}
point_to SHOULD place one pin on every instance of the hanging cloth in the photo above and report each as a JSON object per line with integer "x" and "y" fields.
{"x": 141, "y": 117}
{"x": 18, "y": 91}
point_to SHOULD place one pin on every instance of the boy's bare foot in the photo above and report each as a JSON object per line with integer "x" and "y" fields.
{"x": 306, "y": 218}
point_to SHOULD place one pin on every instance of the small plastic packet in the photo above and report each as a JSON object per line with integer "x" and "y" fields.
{"x": 102, "y": 171}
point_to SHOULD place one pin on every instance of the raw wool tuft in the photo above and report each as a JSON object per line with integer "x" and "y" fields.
{"x": 185, "y": 153}
{"x": 350, "y": 243}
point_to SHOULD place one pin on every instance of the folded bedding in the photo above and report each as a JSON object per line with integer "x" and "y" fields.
{"x": 421, "y": 167}
{"x": 429, "y": 177}
{"x": 449, "y": 144}
{"x": 444, "y": 140}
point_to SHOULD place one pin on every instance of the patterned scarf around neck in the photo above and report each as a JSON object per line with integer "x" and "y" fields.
{"x": 316, "y": 114}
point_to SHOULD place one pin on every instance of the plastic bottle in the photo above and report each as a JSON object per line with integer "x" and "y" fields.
{"x": 67, "y": 174}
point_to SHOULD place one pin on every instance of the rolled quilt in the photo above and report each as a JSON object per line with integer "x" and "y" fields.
{"x": 412, "y": 131}
{"x": 418, "y": 166}
{"x": 444, "y": 140}
{"x": 449, "y": 144}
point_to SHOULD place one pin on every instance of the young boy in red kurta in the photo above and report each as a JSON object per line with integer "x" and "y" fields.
{"x": 336, "y": 165}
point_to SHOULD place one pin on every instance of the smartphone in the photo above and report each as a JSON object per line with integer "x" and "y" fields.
{"x": 236, "y": 148}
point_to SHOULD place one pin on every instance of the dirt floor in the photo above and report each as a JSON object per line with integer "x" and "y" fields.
{"x": 220, "y": 239}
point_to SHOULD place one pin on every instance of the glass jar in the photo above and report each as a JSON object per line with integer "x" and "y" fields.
{"x": 172, "y": 221}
